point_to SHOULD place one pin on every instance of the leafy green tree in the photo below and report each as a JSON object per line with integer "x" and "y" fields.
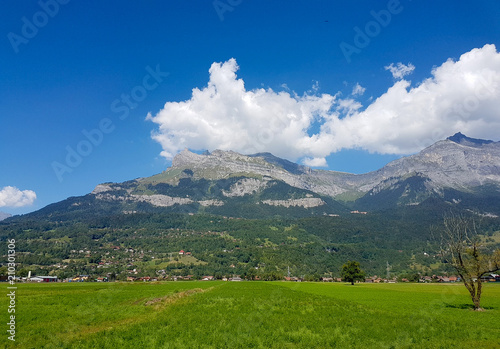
{"x": 250, "y": 274}
{"x": 410, "y": 276}
{"x": 23, "y": 272}
{"x": 351, "y": 272}
{"x": 272, "y": 276}
{"x": 313, "y": 277}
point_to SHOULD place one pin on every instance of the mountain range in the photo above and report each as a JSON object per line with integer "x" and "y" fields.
{"x": 459, "y": 171}
{"x": 262, "y": 215}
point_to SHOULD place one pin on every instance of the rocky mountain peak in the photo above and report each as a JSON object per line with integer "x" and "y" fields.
{"x": 457, "y": 162}
{"x": 236, "y": 162}
{"x": 185, "y": 158}
{"x": 227, "y": 183}
{"x": 462, "y": 139}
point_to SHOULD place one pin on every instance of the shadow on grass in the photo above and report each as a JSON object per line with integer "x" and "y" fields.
{"x": 465, "y": 306}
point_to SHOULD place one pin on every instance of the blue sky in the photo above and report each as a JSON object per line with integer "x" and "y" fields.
{"x": 74, "y": 68}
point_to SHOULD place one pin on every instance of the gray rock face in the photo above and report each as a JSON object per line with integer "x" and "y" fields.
{"x": 101, "y": 188}
{"x": 461, "y": 163}
{"x": 156, "y": 200}
{"x": 245, "y": 186}
{"x": 224, "y": 164}
{"x": 452, "y": 165}
{"x": 161, "y": 200}
{"x": 304, "y": 202}
{"x": 211, "y": 203}
{"x": 458, "y": 162}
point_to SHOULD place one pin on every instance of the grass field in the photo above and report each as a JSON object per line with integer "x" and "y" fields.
{"x": 251, "y": 315}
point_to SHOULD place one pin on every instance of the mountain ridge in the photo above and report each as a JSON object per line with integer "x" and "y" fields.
{"x": 463, "y": 139}
{"x": 236, "y": 213}
{"x": 229, "y": 183}
{"x": 441, "y": 162}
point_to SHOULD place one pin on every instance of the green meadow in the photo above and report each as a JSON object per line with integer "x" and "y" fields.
{"x": 251, "y": 315}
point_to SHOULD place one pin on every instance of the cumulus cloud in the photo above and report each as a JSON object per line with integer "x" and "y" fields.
{"x": 315, "y": 162}
{"x": 400, "y": 70}
{"x": 224, "y": 115}
{"x": 358, "y": 90}
{"x": 461, "y": 95}
{"x": 13, "y": 197}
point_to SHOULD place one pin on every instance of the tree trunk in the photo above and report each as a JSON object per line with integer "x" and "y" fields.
{"x": 477, "y": 299}
{"x": 475, "y": 293}
{"x": 352, "y": 282}
{"x": 477, "y": 306}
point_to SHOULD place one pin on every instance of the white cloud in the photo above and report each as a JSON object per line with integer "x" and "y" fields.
{"x": 314, "y": 87}
{"x": 224, "y": 115}
{"x": 315, "y": 162}
{"x": 358, "y": 90}
{"x": 461, "y": 95}
{"x": 400, "y": 70}
{"x": 13, "y": 197}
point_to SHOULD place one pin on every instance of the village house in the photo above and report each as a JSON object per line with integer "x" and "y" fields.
{"x": 491, "y": 278}
{"x": 425, "y": 279}
{"x": 442, "y": 279}
{"x": 43, "y": 279}
{"x": 80, "y": 278}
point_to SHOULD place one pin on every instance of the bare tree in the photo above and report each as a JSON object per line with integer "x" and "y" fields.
{"x": 462, "y": 248}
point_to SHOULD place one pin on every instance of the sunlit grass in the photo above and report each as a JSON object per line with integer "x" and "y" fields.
{"x": 253, "y": 315}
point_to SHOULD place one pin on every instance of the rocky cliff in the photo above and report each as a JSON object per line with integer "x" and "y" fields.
{"x": 458, "y": 170}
